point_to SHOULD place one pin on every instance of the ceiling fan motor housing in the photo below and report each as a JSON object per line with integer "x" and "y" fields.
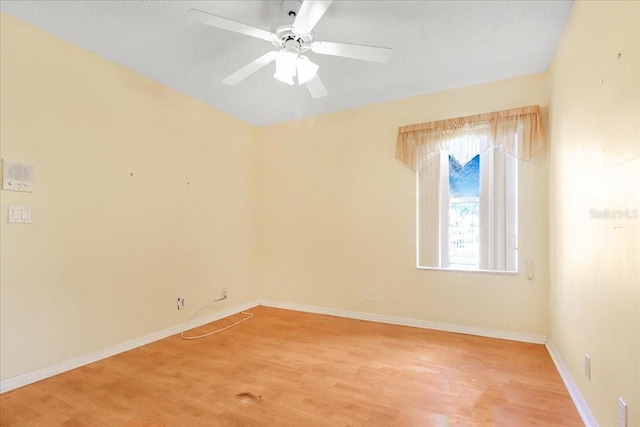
{"x": 290, "y": 41}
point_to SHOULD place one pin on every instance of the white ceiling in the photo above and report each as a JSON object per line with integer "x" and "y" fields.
{"x": 437, "y": 45}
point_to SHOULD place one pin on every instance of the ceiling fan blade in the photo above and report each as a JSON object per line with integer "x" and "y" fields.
{"x": 355, "y": 51}
{"x": 250, "y": 68}
{"x": 316, "y": 88}
{"x": 228, "y": 24}
{"x": 309, "y": 14}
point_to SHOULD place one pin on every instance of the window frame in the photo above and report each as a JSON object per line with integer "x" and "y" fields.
{"x": 511, "y": 180}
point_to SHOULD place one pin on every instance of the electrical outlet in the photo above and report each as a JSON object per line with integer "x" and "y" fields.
{"x": 224, "y": 292}
{"x": 180, "y": 303}
{"x": 367, "y": 294}
{"x": 587, "y": 366}
{"x": 622, "y": 413}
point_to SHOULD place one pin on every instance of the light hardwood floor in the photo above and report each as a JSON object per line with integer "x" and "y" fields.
{"x": 286, "y": 368}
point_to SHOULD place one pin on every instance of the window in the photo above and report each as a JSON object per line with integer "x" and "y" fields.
{"x": 467, "y": 212}
{"x": 467, "y": 186}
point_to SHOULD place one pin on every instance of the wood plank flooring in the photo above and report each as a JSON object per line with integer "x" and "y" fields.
{"x": 286, "y": 368}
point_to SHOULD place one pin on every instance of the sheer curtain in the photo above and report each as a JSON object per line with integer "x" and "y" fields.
{"x": 432, "y": 242}
{"x": 497, "y": 228}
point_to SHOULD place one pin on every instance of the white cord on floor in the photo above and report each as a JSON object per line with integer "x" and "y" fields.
{"x": 250, "y": 315}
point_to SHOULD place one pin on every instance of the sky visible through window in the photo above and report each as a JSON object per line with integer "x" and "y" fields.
{"x": 464, "y": 180}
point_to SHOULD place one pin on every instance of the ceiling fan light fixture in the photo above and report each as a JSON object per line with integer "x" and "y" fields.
{"x": 307, "y": 70}
{"x": 291, "y": 40}
{"x": 286, "y": 67}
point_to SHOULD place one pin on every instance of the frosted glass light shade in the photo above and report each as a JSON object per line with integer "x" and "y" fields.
{"x": 307, "y": 70}
{"x": 286, "y": 67}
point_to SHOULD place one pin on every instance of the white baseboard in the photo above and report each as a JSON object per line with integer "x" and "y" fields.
{"x": 406, "y": 321}
{"x": 581, "y": 405}
{"x": 50, "y": 371}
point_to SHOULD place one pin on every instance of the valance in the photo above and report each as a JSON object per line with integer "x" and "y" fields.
{"x": 517, "y": 131}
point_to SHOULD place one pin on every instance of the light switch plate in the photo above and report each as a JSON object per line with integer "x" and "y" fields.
{"x": 19, "y": 215}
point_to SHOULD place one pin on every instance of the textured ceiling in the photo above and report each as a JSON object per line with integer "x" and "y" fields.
{"x": 437, "y": 45}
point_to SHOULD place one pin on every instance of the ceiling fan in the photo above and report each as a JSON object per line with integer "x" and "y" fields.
{"x": 291, "y": 40}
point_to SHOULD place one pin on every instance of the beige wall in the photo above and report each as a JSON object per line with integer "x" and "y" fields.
{"x": 595, "y": 152}
{"x": 108, "y": 253}
{"x": 337, "y": 217}
{"x": 313, "y": 211}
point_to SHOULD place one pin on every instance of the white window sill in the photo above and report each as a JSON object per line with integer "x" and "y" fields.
{"x": 460, "y": 270}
